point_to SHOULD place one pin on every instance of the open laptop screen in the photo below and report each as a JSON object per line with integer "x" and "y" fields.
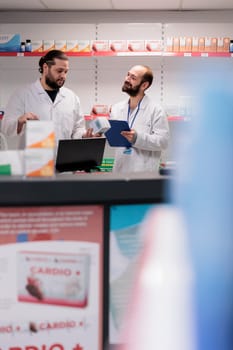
{"x": 80, "y": 154}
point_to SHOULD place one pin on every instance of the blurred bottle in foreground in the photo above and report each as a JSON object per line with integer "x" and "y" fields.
{"x": 163, "y": 316}
{"x": 203, "y": 190}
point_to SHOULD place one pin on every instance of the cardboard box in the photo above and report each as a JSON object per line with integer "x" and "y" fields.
{"x": 72, "y": 45}
{"x": 60, "y": 45}
{"x": 39, "y": 162}
{"x": 118, "y": 45}
{"x": 169, "y": 44}
{"x": 182, "y": 44}
{"x": 40, "y": 134}
{"x": 195, "y": 44}
{"x": 100, "y": 109}
{"x": 48, "y": 45}
{"x": 37, "y": 46}
{"x": 10, "y": 42}
{"x": 136, "y": 45}
{"x": 201, "y": 44}
{"x": 154, "y": 45}
{"x": 100, "y": 45}
{"x": 100, "y": 125}
{"x": 176, "y": 44}
{"x": 223, "y": 44}
{"x": 188, "y": 44}
{"x": 14, "y": 160}
{"x": 84, "y": 46}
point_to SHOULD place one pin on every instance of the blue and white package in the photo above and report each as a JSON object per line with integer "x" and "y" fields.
{"x": 10, "y": 42}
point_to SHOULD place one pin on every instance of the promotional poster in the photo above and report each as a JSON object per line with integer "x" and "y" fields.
{"x": 51, "y": 278}
{"x": 126, "y": 244}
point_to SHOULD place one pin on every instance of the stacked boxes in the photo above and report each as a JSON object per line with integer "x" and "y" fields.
{"x": 12, "y": 42}
{"x": 197, "y": 44}
{"x": 63, "y": 45}
{"x": 40, "y": 146}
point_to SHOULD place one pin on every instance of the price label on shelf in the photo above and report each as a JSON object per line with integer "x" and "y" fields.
{"x": 204, "y": 54}
{"x": 187, "y": 54}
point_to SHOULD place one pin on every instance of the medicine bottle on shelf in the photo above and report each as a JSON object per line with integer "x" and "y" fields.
{"x": 28, "y": 45}
{"x": 22, "y": 46}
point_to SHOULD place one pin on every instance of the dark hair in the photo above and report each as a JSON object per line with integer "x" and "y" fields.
{"x": 148, "y": 76}
{"x": 49, "y": 58}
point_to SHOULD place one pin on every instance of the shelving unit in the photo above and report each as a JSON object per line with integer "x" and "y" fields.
{"x": 123, "y": 54}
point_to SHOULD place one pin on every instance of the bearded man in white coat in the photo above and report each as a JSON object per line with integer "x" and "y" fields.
{"x": 149, "y": 130}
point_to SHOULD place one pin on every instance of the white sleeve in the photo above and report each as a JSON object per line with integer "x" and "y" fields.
{"x": 14, "y": 109}
{"x": 156, "y": 139}
{"x": 79, "y": 127}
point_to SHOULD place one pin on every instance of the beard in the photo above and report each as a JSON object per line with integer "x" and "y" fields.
{"x": 130, "y": 90}
{"x": 54, "y": 84}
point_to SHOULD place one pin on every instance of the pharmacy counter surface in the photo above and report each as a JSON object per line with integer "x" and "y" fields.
{"x": 83, "y": 188}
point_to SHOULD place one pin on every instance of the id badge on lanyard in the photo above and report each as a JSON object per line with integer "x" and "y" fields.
{"x": 128, "y": 150}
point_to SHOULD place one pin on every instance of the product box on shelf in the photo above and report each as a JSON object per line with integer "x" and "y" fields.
{"x": 48, "y": 45}
{"x": 60, "y": 44}
{"x": 176, "y": 44}
{"x": 84, "y": 46}
{"x": 185, "y": 44}
{"x": 10, "y": 42}
{"x": 136, "y": 45}
{"x": 154, "y": 45}
{"x": 210, "y": 44}
{"x": 99, "y": 109}
{"x": 100, "y": 45}
{"x": 118, "y": 45}
{"x": 72, "y": 45}
{"x": 37, "y": 46}
{"x": 169, "y": 44}
{"x": 201, "y": 44}
{"x": 195, "y": 44}
{"x": 223, "y": 44}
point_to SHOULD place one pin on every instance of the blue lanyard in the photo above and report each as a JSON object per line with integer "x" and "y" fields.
{"x": 134, "y": 117}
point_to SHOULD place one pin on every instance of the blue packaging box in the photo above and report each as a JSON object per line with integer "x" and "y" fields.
{"x": 10, "y": 42}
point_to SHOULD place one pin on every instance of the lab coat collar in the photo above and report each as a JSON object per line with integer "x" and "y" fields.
{"x": 41, "y": 90}
{"x": 143, "y": 103}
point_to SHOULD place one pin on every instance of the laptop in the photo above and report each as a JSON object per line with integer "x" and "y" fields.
{"x": 80, "y": 154}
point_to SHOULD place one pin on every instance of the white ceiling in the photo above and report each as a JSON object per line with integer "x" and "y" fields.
{"x": 78, "y": 5}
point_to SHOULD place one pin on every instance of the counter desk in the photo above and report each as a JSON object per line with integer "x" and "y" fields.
{"x": 83, "y": 188}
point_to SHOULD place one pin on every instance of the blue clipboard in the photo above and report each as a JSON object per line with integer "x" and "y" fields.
{"x": 113, "y": 135}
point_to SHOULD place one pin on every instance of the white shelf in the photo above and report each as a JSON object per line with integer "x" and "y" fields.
{"x": 123, "y": 54}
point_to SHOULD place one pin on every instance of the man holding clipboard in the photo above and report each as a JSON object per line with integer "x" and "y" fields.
{"x": 145, "y": 127}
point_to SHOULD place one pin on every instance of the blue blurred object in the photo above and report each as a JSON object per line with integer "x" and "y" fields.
{"x": 203, "y": 188}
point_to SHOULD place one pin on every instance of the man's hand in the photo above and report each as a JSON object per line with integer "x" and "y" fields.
{"x": 89, "y": 133}
{"x": 130, "y": 135}
{"x": 23, "y": 118}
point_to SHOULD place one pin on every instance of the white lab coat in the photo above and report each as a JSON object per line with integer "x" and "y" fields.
{"x": 64, "y": 112}
{"x": 152, "y": 130}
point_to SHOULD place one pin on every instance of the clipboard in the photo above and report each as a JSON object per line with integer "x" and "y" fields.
{"x": 113, "y": 135}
